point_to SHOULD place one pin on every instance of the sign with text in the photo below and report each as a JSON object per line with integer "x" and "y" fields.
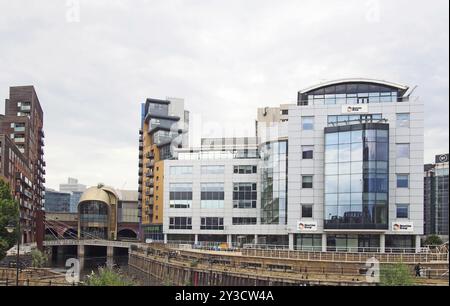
{"x": 307, "y": 226}
{"x": 402, "y": 226}
{"x": 355, "y": 109}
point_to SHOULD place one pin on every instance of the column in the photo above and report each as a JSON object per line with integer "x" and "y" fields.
{"x": 382, "y": 243}
{"x": 109, "y": 256}
{"x": 196, "y": 239}
{"x": 256, "y": 239}
{"x": 418, "y": 244}
{"x": 291, "y": 241}
{"x": 229, "y": 241}
{"x": 165, "y": 238}
{"x": 80, "y": 255}
{"x": 324, "y": 242}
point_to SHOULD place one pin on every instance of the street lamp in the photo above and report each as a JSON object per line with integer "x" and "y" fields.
{"x": 10, "y": 229}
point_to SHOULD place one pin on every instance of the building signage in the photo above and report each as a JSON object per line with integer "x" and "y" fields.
{"x": 442, "y": 158}
{"x": 402, "y": 227}
{"x": 355, "y": 109}
{"x": 307, "y": 226}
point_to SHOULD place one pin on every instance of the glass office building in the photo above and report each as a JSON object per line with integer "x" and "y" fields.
{"x": 274, "y": 183}
{"x": 357, "y": 176}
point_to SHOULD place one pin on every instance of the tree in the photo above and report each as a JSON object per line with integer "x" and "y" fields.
{"x": 397, "y": 274}
{"x": 108, "y": 277}
{"x": 9, "y": 212}
{"x": 433, "y": 240}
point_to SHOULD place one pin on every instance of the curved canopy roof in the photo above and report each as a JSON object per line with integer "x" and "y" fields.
{"x": 354, "y": 80}
{"x": 99, "y": 193}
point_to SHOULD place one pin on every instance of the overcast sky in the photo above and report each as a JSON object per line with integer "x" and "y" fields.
{"x": 93, "y": 62}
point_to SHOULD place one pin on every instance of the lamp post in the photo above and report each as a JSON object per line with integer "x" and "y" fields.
{"x": 10, "y": 229}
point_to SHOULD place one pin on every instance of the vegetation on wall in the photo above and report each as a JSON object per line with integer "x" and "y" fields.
{"x": 9, "y": 212}
{"x": 397, "y": 274}
{"x": 108, "y": 277}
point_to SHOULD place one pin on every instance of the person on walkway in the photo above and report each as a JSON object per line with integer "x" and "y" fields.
{"x": 417, "y": 268}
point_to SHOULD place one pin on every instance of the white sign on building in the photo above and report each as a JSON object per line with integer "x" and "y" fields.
{"x": 402, "y": 226}
{"x": 355, "y": 109}
{"x": 307, "y": 226}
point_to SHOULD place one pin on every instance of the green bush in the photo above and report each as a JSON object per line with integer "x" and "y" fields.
{"x": 38, "y": 259}
{"x": 433, "y": 240}
{"x": 108, "y": 277}
{"x": 395, "y": 275}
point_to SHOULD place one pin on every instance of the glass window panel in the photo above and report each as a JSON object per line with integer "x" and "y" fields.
{"x": 357, "y": 136}
{"x": 357, "y": 183}
{"x": 402, "y": 181}
{"x": 331, "y": 184}
{"x": 344, "y": 168}
{"x": 331, "y": 154}
{"x": 331, "y": 169}
{"x": 344, "y": 153}
{"x": 344, "y": 137}
{"x": 403, "y": 150}
{"x": 308, "y": 123}
{"x": 332, "y": 139}
{"x": 357, "y": 152}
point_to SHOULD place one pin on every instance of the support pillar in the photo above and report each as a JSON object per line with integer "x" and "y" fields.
{"x": 196, "y": 239}
{"x": 291, "y": 242}
{"x": 324, "y": 242}
{"x": 418, "y": 244}
{"x": 229, "y": 241}
{"x": 256, "y": 239}
{"x": 109, "y": 256}
{"x": 382, "y": 243}
{"x": 60, "y": 253}
{"x": 165, "y": 238}
{"x": 80, "y": 256}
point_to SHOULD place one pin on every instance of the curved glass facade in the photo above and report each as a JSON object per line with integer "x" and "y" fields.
{"x": 93, "y": 218}
{"x": 274, "y": 183}
{"x": 357, "y": 176}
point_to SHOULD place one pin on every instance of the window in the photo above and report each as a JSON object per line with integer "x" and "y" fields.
{"x": 244, "y": 195}
{"x": 403, "y": 150}
{"x": 212, "y": 195}
{"x": 181, "y": 170}
{"x": 285, "y": 112}
{"x": 307, "y": 211}
{"x": 307, "y": 181}
{"x": 244, "y": 221}
{"x": 307, "y": 123}
{"x": 180, "y": 195}
{"x": 307, "y": 152}
{"x": 211, "y": 223}
{"x": 402, "y": 211}
{"x": 245, "y": 169}
{"x": 402, "y": 180}
{"x": 184, "y": 223}
{"x": 213, "y": 170}
{"x": 403, "y": 120}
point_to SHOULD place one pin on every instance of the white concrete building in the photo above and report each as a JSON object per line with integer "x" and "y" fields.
{"x": 341, "y": 170}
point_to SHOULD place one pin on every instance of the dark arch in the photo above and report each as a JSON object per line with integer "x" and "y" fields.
{"x": 126, "y": 233}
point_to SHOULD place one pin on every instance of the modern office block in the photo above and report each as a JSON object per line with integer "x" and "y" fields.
{"x": 436, "y": 197}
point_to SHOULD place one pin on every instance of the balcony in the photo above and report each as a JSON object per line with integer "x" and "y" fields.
{"x": 149, "y": 164}
{"x": 149, "y": 183}
{"x": 150, "y": 155}
{"x": 149, "y": 192}
{"x": 149, "y": 173}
